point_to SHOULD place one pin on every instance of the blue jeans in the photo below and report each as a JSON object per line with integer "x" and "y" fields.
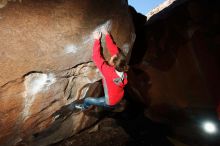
{"x": 100, "y": 101}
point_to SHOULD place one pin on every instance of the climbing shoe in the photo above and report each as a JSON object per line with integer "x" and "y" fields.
{"x": 80, "y": 107}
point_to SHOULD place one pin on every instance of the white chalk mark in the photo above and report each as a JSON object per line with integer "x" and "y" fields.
{"x": 70, "y": 48}
{"x": 51, "y": 79}
{"x": 87, "y": 39}
{"x": 107, "y": 26}
{"x": 35, "y": 83}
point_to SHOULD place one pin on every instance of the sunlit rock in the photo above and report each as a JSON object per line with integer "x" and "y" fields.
{"x": 45, "y": 61}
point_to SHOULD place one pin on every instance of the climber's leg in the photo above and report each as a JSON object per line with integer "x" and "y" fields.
{"x": 89, "y": 101}
{"x": 94, "y": 101}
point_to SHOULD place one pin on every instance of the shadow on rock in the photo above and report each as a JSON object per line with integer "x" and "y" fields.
{"x": 141, "y": 130}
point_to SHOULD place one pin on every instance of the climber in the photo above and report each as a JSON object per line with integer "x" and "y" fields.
{"x": 113, "y": 73}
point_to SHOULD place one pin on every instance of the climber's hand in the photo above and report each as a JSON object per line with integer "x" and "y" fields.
{"x": 104, "y": 30}
{"x": 97, "y": 35}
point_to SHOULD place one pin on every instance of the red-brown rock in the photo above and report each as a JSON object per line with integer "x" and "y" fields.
{"x": 45, "y": 61}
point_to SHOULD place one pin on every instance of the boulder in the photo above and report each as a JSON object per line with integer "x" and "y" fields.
{"x": 179, "y": 65}
{"x": 176, "y": 75}
{"x": 45, "y": 61}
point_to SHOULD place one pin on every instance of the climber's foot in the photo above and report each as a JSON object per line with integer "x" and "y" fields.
{"x": 80, "y": 107}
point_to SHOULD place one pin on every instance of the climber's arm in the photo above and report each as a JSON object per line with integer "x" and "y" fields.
{"x": 101, "y": 64}
{"x": 113, "y": 49}
{"x": 96, "y": 55}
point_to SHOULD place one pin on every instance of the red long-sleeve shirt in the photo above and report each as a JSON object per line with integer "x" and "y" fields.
{"x": 112, "y": 83}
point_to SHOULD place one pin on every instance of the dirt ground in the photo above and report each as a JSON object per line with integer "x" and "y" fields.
{"x": 127, "y": 128}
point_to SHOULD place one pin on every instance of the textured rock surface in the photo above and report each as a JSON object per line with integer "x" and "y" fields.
{"x": 107, "y": 132}
{"x": 159, "y": 8}
{"x": 177, "y": 67}
{"x": 45, "y": 61}
{"x": 180, "y": 65}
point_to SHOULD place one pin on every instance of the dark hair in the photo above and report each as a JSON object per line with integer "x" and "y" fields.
{"x": 120, "y": 63}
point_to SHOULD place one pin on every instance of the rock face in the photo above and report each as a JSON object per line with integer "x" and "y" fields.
{"x": 159, "y": 8}
{"x": 45, "y": 61}
{"x": 179, "y": 64}
{"x": 178, "y": 68}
